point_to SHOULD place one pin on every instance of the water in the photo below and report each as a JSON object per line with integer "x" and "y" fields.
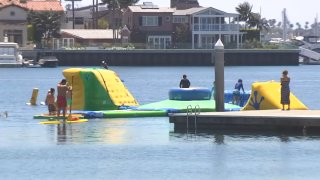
{"x": 148, "y": 148}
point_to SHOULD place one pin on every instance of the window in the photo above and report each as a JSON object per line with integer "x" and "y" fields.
{"x": 159, "y": 42}
{"x": 168, "y": 18}
{"x": 78, "y": 20}
{"x": 150, "y": 21}
{"x": 12, "y": 13}
{"x": 180, "y": 19}
{"x": 6, "y": 51}
{"x": 67, "y": 42}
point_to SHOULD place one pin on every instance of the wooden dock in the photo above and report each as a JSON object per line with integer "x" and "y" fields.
{"x": 297, "y": 120}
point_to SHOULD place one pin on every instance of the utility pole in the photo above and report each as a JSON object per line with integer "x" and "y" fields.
{"x": 285, "y": 22}
{"x": 97, "y": 14}
{"x": 73, "y": 11}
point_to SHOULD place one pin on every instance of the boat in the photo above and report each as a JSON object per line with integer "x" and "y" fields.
{"x": 10, "y": 55}
{"x": 48, "y": 61}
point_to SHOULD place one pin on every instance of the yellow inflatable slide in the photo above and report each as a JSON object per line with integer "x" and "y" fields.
{"x": 267, "y": 95}
{"x": 97, "y": 89}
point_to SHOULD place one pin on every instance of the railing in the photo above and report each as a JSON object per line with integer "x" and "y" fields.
{"x": 216, "y": 27}
{"x": 191, "y": 111}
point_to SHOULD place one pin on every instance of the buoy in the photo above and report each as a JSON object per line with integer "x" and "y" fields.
{"x": 34, "y": 96}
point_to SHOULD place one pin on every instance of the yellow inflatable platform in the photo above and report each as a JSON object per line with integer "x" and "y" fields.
{"x": 97, "y": 89}
{"x": 267, "y": 95}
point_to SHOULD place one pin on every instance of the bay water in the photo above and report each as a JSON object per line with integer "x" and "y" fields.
{"x": 149, "y": 148}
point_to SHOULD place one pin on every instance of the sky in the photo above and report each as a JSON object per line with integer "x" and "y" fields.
{"x": 297, "y": 10}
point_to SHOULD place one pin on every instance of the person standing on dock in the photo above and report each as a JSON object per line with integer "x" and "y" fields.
{"x": 62, "y": 88}
{"x": 184, "y": 83}
{"x": 236, "y": 92}
{"x": 285, "y": 90}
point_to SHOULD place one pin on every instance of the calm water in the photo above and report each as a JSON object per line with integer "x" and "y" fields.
{"x": 148, "y": 148}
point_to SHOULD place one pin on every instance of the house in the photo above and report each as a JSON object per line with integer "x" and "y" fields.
{"x": 149, "y": 24}
{"x": 158, "y": 27}
{"x": 13, "y": 17}
{"x": 84, "y": 37}
{"x": 13, "y": 21}
{"x": 207, "y": 25}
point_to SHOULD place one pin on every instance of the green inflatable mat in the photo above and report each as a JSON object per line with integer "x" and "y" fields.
{"x": 133, "y": 113}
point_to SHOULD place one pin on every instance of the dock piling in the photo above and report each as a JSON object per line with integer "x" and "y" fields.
{"x": 219, "y": 75}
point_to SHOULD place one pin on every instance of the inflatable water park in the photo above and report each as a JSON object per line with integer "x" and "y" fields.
{"x": 100, "y": 93}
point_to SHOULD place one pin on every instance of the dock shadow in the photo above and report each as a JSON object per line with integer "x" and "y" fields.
{"x": 219, "y": 136}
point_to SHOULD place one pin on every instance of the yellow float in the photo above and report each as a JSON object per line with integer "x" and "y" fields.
{"x": 267, "y": 95}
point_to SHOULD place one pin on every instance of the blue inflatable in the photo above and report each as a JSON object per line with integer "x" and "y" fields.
{"x": 189, "y": 94}
{"x": 228, "y": 96}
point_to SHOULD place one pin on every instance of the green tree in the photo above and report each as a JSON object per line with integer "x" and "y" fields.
{"x": 255, "y": 21}
{"x": 45, "y": 24}
{"x": 245, "y": 10}
{"x": 182, "y": 34}
{"x": 102, "y": 24}
{"x": 117, "y": 5}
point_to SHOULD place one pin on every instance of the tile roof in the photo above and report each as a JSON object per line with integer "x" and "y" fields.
{"x": 35, "y": 5}
{"x": 90, "y": 33}
{"x": 5, "y": 3}
{"x": 44, "y": 5}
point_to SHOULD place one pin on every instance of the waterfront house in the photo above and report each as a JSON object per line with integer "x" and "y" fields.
{"x": 13, "y": 17}
{"x": 150, "y": 25}
{"x": 207, "y": 25}
{"x": 13, "y": 21}
{"x": 158, "y": 27}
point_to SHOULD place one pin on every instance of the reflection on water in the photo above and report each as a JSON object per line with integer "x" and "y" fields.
{"x": 112, "y": 131}
{"x": 62, "y": 133}
{"x": 223, "y": 136}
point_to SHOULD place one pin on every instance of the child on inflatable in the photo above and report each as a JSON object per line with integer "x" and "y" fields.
{"x": 69, "y": 98}
{"x": 50, "y": 102}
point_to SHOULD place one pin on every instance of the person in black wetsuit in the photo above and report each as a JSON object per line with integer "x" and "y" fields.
{"x": 104, "y": 64}
{"x": 184, "y": 83}
{"x": 236, "y": 92}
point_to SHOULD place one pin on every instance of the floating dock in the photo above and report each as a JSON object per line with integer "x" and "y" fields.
{"x": 275, "y": 120}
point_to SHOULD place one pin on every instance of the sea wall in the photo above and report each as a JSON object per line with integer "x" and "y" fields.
{"x": 234, "y": 57}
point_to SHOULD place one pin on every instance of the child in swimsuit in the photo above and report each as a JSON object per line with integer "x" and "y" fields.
{"x": 50, "y": 102}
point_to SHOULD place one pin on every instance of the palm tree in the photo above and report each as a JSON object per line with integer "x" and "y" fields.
{"x": 306, "y": 25}
{"x": 272, "y": 22}
{"x": 259, "y": 23}
{"x": 298, "y": 30}
{"x": 244, "y": 9}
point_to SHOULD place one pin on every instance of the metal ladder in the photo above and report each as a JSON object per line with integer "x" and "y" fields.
{"x": 195, "y": 111}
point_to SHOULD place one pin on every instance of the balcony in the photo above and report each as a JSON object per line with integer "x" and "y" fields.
{"x": 216, "y": 27}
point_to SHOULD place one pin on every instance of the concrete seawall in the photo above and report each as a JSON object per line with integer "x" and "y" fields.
{"x": 234, "y": 57}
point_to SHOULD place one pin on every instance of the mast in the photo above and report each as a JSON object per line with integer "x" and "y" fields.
{"x": 284, "y": 25}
